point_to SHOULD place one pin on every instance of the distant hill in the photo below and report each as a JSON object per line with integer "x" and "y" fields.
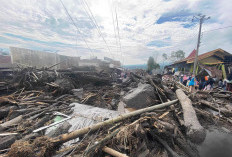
{"x": 144, "y": 66}
{"x": 136, "y": 66}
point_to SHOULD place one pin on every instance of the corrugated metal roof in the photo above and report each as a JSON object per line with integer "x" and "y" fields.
{"x": 86, "y": 115}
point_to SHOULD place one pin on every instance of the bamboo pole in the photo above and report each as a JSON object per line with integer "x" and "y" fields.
{"x": 80, "y": 132}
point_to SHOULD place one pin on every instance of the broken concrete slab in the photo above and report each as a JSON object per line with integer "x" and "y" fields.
{"x": 140, "y": 97}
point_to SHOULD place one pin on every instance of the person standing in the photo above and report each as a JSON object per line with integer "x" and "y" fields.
{"x": 211, "y": 82}
{"x": 181, "y": 79}
{"x": 220, "y": 83}
{"x": 192, "y": 84}
{"x": 185, "y": 79}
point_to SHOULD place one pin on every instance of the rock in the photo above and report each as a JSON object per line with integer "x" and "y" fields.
{"x": 140, "y": 97}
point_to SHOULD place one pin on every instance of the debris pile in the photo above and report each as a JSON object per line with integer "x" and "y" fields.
{"x": 90, "y": 112}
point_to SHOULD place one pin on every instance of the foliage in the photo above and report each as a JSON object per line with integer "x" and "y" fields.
{"x": 165, "y": 56}
{"x": 177, "y": 55}
{"x": 151, "y": 64}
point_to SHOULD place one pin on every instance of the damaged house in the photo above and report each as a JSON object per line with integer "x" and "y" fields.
{"x": 214, "y": 62}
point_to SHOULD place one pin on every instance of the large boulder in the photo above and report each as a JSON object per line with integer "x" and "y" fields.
{"x": 140, "y": 97}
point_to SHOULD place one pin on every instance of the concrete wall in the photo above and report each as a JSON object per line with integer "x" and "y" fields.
{"x": 5, "y": 61}
{"x": 41, "y": 59}
{"x": 67, "y": 61}
{"x": 33, "y": 58}
{"x": 90, "y": 62}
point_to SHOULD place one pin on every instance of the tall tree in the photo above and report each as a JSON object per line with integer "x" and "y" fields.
{"x": 151, "y": 64}
{"x": 165, "y": 56}
{"x": 177, "y": 55}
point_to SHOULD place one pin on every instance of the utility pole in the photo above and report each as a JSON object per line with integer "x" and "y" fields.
{"x": 201, "y": 19}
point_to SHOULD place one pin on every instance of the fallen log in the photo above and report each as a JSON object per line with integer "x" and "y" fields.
{"x": 15, "y": 113}
{"x": 113, "y": 152}
{"x": 155, "y": 86}
{"x": 4, "y": 112}
{"x": 186, "y": 147}
{"x": 194, "y": 130}
{"x": 221, "y": 95}
{"x": 77, "y": 133}
{"x": 7, "y": 141}
{"x": 180, "y": 85}
{"x": 100, "y": 143}
{"x": 11, "y": 122}
{"x": 221, "y": 110}
{"x": 166, "y": 146}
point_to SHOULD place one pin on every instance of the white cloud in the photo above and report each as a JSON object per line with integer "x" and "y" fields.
{"x": 47, "y": 21}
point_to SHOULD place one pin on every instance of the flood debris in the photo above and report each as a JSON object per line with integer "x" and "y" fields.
{"x": 91, "y": 112}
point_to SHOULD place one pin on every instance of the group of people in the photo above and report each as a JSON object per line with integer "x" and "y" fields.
{"x": 204, "y": 83}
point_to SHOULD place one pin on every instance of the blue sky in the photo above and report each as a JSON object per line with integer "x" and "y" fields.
{"x": 146, "y": 28}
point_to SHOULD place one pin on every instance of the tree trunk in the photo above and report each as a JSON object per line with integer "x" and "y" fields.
{"x": 211, "y": 105}
{"x": 194, "y": 130}
{"x": 113, "y": 152}
{"x": 11, "y": 122}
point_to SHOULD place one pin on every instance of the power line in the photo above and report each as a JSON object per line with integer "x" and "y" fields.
{"x": 67, "y": 13}
{"x": 114, "y": 28}
{"x": 217, "y": 29}
{"x": 118, "y": 32}
{"x": 92, "y": 18}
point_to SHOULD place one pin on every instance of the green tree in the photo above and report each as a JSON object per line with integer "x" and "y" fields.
{"x": 177, "y": 55}
{"x": 165, "y": 56}
{"x": 151, "y": 64}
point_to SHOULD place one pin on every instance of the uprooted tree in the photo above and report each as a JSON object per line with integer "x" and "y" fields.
{"x": 151, "y": 64}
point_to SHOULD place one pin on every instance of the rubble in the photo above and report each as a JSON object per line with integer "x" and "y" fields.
{"x": 140, "y": 97}
{"x": 81, "y": 112}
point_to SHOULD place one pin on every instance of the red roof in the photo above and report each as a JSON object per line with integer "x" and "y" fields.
{"x": 190, "y": 58}
{"x": 218, "y": 52}
{"x": 192, "y": 54}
